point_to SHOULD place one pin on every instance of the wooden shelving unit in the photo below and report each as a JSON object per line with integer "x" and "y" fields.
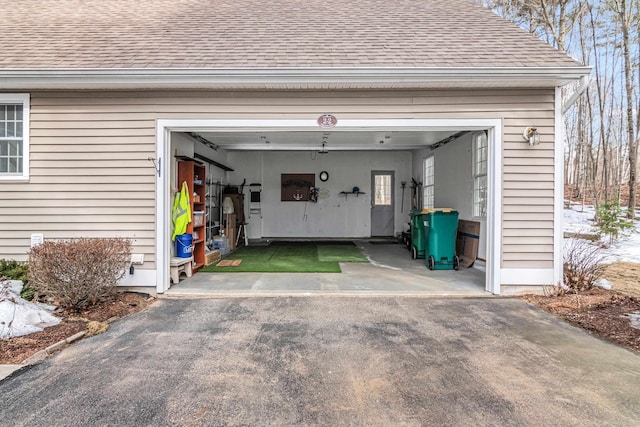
{"x": 194, "y": 174}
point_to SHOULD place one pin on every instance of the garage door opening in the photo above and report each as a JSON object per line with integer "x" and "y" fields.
{"x": 352, "y": 171}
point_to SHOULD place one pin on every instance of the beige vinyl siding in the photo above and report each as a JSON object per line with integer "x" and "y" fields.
{"x": 90, "y": 175}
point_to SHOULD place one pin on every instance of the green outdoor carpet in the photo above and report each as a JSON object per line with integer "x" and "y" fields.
{"x": 292, "y": 257}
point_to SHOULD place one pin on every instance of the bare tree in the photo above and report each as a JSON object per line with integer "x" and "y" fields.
{"x": 626, "y": 13}
{"x": 549, "y": 19}
{"x": 560, "y": 16}
{"x": 603, "y": 129}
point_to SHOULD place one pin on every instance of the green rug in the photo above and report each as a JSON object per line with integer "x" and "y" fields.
{"x": 292, "y": 257}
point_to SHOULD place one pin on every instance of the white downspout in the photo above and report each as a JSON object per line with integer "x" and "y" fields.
{"x": 585, "y": 81}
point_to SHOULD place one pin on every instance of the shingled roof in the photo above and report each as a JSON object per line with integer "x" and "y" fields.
{"x": 99, "y": 34}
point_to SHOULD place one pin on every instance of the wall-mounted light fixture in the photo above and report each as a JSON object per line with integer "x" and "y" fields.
{"x": 531, "y": 135}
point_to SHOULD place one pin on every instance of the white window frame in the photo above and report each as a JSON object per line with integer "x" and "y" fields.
{"x": 480, "y": 201}
{"x": 428, "y": 185}
{"x": 25, "y": 100}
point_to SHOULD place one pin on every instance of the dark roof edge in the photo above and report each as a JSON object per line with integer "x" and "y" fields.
{"x": 243, "y": 78}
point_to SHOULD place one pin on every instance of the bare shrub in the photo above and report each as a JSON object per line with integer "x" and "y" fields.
{"x": 582, "y": 264}
{"x": 78, "y": 273}
{"x": 553, "y": 290}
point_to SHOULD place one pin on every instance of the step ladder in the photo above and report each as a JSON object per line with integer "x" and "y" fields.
{"x": 242, "y": 231}
{"x": 255, "y": 202}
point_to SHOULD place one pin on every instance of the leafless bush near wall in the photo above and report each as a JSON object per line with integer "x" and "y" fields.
{"x": 553, "y": 290}
{"x": 582, "y": 264}
{"x": 78, "y": 273}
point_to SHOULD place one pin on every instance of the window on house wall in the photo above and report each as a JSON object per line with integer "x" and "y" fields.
{"x": 14, "y": 129}
{"x": 480, "y": 164}
{"x": 428, "y": 188}
{"x": 382, "y": 196}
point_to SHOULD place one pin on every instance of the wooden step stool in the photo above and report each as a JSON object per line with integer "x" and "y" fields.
{"x": 179, "y": 265}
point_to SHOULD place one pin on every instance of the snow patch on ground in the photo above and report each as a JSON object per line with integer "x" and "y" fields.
{"x": 634, "y": 318}
{"x": 20, "y": 317}
{"x": 626, "y": 249}
{"x": 604, "y": 284}
{"x": 580, "y": 219}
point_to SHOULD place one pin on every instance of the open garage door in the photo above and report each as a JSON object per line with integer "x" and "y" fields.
{"x": 349, "y": 158}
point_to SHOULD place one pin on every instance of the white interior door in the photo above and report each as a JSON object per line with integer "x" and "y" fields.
{"x": 382, "y": 206}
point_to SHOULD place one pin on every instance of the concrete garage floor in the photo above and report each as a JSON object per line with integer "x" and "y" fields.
{"x": 331, "y": 361}
{"x": 390, "y": 272}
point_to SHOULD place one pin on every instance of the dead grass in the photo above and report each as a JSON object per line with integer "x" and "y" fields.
{"x": 625, "y": 277}
{"x": 95, "y": 328}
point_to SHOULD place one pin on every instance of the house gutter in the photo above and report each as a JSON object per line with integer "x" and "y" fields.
{"x": 247, "y": 78}
{"x": 585, "y": 81}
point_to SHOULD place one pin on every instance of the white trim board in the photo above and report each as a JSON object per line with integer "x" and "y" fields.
{"x": 494, "y": 210}
{"x": 163, "y": 198}
{"x": 527, "y": 276}
{"x": 286, "y": 77}
{"x": 558, "y": 193}
{"x": 242, "y": 125}
{"x": 494, "y": 214}
{"x": 139, "y": 278}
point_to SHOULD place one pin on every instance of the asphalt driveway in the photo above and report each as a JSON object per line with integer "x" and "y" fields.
{"x": 331, "y": 361}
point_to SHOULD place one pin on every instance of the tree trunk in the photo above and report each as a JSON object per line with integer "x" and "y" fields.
{"x": 633, "y": 151}
{"x": 601, "y": 106}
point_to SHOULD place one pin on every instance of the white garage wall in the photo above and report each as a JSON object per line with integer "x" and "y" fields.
{"x": 453, "y": 181}
{"x": 183, "y": 145}
{"x": 334, "y": 217}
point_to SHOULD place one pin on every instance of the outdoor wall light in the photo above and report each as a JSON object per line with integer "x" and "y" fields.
{"x": 531, "y": 135}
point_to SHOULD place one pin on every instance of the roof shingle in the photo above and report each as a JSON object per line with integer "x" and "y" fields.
{"x": 264, "y": 33}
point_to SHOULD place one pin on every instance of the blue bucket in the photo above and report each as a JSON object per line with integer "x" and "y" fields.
{"x": 184, "y": 245}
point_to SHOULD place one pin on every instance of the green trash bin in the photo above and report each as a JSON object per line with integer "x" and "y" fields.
{"x": 440, "y": 229}
{"x": 417, "y": 234}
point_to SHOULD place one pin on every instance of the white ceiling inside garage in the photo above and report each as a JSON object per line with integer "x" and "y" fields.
{"x": 333, "y": 140}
